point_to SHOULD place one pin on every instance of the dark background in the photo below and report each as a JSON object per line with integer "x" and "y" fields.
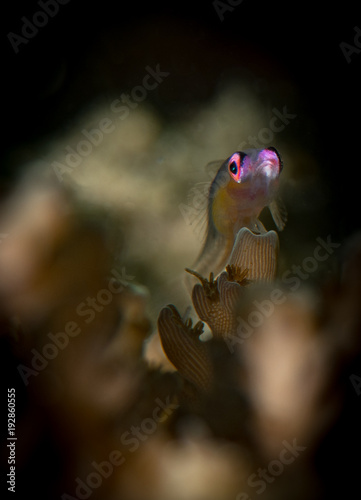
{"x": 91, "y": 49}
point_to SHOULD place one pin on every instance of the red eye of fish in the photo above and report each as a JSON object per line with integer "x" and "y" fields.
{"x": 234, "y": 166}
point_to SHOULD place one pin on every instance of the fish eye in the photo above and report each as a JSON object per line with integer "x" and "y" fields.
{"x": 233, "y": 168}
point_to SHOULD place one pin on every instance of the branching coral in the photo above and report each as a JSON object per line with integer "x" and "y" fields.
{"x": 253, "y": 260}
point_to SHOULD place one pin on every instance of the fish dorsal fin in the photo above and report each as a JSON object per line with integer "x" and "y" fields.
{"x": 194, "y": 207}
{"x": 215, "y": 250}
{"x": 195, "y": 210}
{"x": 212, "y": 168}
{"x": 279, "y": 213}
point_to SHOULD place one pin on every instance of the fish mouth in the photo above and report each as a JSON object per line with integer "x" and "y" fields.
{"x": 269, "y": 171}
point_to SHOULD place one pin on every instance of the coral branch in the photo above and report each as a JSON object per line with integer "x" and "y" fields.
{"x": 183, "y": 348}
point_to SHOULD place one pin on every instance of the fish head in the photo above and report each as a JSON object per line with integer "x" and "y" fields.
{"x": 245, "y": 183}
{"x": 244, "y": 166}
{"x": 247, "y": 175}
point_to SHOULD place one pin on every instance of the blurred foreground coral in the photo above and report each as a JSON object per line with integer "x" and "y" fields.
{"x": 255, "y": 409}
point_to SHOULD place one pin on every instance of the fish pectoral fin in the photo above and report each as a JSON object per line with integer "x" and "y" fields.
{"x": 279, "y": 213}
{"x": 212, "y": 167}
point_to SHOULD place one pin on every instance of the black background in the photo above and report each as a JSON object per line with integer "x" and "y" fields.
{"x": 304, "y": 39}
